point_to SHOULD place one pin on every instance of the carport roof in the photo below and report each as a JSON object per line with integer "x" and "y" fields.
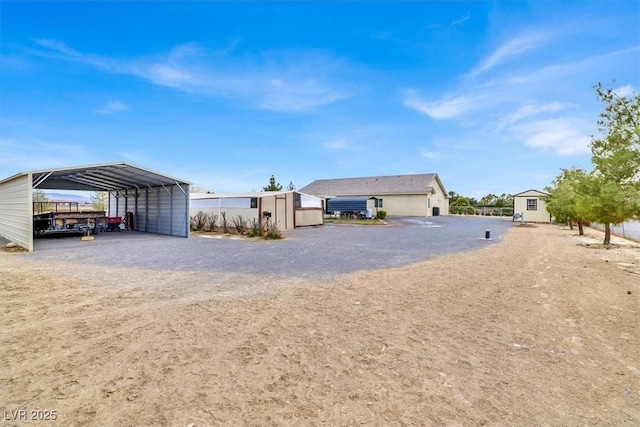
{"x": 352, "y": 198}
{"x": 99, "y": 177}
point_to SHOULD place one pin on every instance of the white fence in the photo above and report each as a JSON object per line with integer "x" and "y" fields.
{"x": 629, "y": 229}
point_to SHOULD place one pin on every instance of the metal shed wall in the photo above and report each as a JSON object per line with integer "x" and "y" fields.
{"x": 16, "y": 218}
{"x": 161, "y": 210}
{"x": 348, "y": 204}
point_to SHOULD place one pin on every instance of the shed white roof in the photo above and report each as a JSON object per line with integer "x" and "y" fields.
{"x": 531, "y": 193}
{"x": 196, "y": 196}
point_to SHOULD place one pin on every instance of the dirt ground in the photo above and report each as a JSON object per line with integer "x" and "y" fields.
{"x": 539, "y": 329}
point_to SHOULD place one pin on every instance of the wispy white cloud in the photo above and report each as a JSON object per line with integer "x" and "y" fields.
{"x": 625, "y": 91}
{"x": 514, "y": 47}
{"x": 462, "y": 19}
{"x": 337, "y": 144}
{"x": 531, "y": 110}
{"x": 557, "y": 71}
{"x": 61, "y": 50}
{"x": 446, "y": 108}
{"x": 564, "y": 136}
{"x": 113, "y": 107}
{"x": 280, "y": 81}
{"x": 300, "y": 95}
{"x": 429, "y": 155}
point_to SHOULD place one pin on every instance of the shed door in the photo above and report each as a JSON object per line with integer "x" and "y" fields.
{"x": 281, "y": 212}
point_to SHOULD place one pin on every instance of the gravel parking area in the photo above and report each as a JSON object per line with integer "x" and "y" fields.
{"x": 313, "y": 252}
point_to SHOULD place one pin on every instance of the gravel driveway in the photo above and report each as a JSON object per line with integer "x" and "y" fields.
{"x": 312, "y": 252}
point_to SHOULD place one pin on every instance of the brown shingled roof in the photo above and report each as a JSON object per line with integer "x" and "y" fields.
{"x": 374, "y": 185}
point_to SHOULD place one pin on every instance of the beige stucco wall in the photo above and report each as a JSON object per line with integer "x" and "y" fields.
{"x": 414, "y": 204}
{"x": 404, "y": 205}
{"x": 441, "y": 200}
{"x": 539, "y": 215}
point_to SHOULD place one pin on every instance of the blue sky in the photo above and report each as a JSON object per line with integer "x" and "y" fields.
{"x": 495, "y": 97}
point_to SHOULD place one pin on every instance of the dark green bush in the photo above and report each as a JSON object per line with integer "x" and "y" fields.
{"x": 462, "y": 210}
{"x": 381, "y": 214}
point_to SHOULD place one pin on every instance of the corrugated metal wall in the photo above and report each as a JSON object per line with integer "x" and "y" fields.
{"x": 344, "y": 204}
{"x": 162, "y": 210}
{"x": 16, "y": 211}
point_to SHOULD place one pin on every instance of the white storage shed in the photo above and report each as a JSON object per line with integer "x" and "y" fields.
{"x": 288, "y": 209}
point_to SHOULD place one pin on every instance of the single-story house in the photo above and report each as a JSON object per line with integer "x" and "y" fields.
{"x": 532, "y": 206}
{"x": 398, "y": 195}
{"x": 289, "y": 209}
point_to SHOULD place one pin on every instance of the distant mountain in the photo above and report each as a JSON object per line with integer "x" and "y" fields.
{"x": 62, "y": 197}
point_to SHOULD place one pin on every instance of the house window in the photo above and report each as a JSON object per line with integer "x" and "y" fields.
{"x": 298, "y": 200}
{"x": 254, "y": 202}
{"x": 378, "y": 203}
{"x": 532, "y": 204}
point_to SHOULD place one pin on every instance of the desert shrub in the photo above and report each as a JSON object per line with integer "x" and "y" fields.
{"x": 212, "y": 221}
{"x": 273, "y": 232}
{"x": 381, "y": 214}
{"x": 257, "y": 229}
{"x": 240, "y": 224}
{"x": 462, "y": 210}
{"x": 224, "y": 223}
{"x": 198, "y": 221}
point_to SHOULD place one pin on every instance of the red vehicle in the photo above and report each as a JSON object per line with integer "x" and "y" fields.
{"x": 113, "y": 223}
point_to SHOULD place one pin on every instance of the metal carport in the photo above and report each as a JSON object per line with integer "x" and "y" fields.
{"x": 159, "y": 203}
{"x": 349, "y": 204}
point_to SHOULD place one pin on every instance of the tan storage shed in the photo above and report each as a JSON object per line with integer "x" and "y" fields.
{"x": 532, "y": 206}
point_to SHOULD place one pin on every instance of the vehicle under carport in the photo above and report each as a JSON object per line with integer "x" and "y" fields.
{"x": 364, "y": 206}
{"x": 155, "y": 202}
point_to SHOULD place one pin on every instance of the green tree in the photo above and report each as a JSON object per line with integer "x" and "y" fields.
{"x": 504, "y": 200}
{"x": 489, "y": 200}
{"x": 99, "y": 200}
{"x": 611, "y": 193}
{"x": 562, "y": 201}
{"x": 461, "y": 205}
{"x": 606, "y": 202}
{"x": 273, "y": 186}
{"x": 291, "y": 187}
{"x": 41, "y": 202}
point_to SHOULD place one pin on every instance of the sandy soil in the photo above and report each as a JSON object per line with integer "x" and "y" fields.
{"x": 538, "y": 329}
